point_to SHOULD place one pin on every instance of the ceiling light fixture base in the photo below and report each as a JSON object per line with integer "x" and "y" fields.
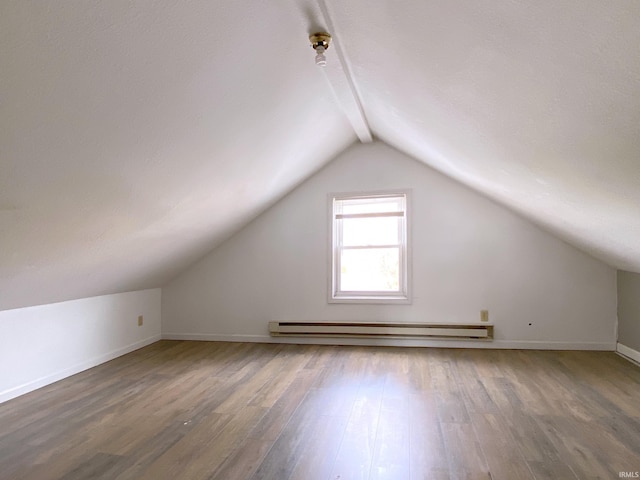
{"x": 320, "y": 42}
{"x": 320, "y": 39}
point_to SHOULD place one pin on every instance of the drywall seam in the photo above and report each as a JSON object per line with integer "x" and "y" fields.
{"x": 349, "y": 96}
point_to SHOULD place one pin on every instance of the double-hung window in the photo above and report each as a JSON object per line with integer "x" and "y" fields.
{"x": 369, "y": 248}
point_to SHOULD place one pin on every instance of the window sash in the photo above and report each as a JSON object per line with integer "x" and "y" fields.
{"x": 337, "y": 225}
{"x": 364, "y": 247}
{"x": 338, "y": 291}
{"x": 340, "y": 216}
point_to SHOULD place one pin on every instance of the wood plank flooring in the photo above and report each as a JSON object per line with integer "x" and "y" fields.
{"x": 225, "y": 411}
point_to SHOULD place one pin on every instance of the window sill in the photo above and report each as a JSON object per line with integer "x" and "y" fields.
{"x": 371, "y": 300}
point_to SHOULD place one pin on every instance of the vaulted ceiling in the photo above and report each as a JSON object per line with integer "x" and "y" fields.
{"x": 136, "y": 136}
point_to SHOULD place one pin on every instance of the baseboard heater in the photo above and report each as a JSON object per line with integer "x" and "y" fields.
{"x": 483, "y": 331}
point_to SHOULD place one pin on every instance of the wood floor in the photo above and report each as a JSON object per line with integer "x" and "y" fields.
{"x": 202, "y": 410}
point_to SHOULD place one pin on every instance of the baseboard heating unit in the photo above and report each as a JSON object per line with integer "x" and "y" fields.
{"x": 475, "y": 331}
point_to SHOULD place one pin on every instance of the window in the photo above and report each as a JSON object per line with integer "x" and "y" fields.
{"x": 369, "y": 248}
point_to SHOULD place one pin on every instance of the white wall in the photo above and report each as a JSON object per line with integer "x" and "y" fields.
{"x": 629, "y": 314}
{"x": 43, "y": 344}
{"x": 468, "y": 254}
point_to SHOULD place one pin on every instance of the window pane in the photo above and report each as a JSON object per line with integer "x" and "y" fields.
{"x": 371, "y": 269}
{"x": 370, "y": 231}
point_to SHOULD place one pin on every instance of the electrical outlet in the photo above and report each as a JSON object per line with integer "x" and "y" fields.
{"x": 140, "y": 320}
{"x": 484, "y": 315}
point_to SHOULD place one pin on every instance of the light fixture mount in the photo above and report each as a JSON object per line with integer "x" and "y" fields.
{"x": 320, "y": 42}
{"x": 320, "y": 39}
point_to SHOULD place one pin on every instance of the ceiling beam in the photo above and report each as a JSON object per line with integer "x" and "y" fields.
{"x": 340, "y": 79}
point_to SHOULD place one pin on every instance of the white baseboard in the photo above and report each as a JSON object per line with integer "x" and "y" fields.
{"x": 67, "y": 372}
{"x": 396, "y": 342}
{"x": 208, "y": 337}
{"x": 628, "y": 352}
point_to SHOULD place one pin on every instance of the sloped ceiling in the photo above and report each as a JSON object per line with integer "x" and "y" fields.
{"x": 136, "y": 136}
{"x": 533, "y": 103}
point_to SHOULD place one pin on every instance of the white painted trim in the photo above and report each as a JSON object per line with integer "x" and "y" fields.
{"x": 628, "y": 353}
{"x": 67, "y": 372}
{"x": 394, "y": 342}
{"x": 398, "y": 298}
{"x": 208, "y": 337}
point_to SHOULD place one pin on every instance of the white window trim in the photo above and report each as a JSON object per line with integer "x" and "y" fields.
{"x": 370, "y": 297}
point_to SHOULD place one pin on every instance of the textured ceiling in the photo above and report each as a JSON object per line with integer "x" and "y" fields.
{"x": 136, "y": 136}
{"x": 535, "y": 104}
